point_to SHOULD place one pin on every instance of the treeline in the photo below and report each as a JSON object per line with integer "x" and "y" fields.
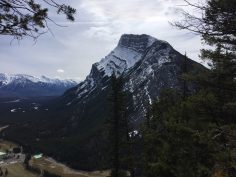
{"x": 186, "y": 133}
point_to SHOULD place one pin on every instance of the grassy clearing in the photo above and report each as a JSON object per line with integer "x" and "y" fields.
{"x": 5, "y": 145}
{"x": 47, "y": 164}
{"x": 17, "y": 170}
{"x": 60, "y": 169}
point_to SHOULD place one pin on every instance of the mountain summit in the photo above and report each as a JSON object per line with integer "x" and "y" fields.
{"x": 129, "y": 51}
{"x": 137, "y": 43}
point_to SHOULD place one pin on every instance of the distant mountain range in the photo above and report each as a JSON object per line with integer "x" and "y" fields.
{"x": 26, "y": 86}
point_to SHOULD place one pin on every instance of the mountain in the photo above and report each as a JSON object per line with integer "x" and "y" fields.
{"x": 147, "y": 65}
{"x": 26, "y": 86}
{"x": 74, "y": 122}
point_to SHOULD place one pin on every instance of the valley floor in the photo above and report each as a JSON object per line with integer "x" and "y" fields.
{"x": 57, "y": 168}
{"x": 17, "y": 170}
{"x": 15, "y": 167}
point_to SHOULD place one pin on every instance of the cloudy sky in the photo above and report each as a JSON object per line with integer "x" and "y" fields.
{"x": 71, "y": 50}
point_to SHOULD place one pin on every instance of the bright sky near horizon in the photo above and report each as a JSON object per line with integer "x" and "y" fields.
{"x": 71, "y": 50}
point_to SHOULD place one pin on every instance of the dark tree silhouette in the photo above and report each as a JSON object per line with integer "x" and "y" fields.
{"x": 117, "y": 125}
{"x": 21, "y": 18}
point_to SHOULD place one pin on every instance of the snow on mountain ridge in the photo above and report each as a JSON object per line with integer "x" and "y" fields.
{"x": 119, "y": 60}
{"x": 26, "y": 86}
{"x": 6, "y": 79}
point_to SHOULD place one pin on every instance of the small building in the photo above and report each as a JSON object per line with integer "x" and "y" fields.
{"x": 38, "y": 156}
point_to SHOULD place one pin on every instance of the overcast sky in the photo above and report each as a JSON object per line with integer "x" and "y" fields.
{"x": 96, "y": 31}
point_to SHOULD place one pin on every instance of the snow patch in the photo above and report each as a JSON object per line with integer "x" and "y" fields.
{"x": 68, "y": 104}
{"x": 14, "y": 101}
{"x": 13, "y": 110}
{"x": 82, "y": 93}
{"x": 133, "y": 133}
{"x": 148, "y": 95}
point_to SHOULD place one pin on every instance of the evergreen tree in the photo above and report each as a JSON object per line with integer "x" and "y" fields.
{"x": 117, "y": 125}
{"x": 184, "y": 69}
{"x": 168, "y": 139}
{"x": 218, "y": 29}
{"x": 196, "y": 135}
